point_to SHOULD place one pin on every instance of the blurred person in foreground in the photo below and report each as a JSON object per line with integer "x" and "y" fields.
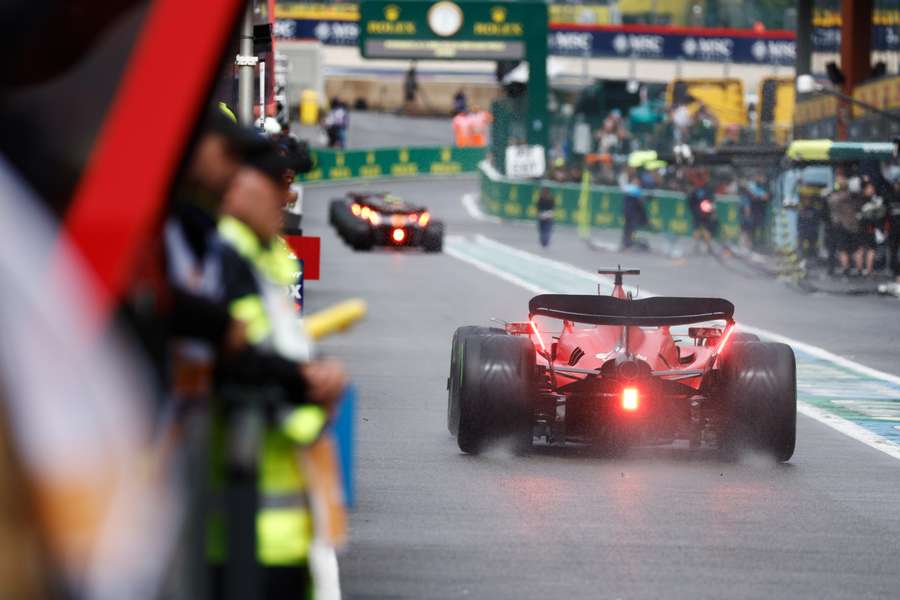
{"x": 76, "y": 427}
{"x": 256, "y": 272}
{"x": 209, "y": 268}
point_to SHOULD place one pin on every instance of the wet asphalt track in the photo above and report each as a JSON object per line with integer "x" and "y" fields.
{"x": 431, "y": 522}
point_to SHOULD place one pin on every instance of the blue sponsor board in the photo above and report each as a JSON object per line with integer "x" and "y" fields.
{"x": 885, "y": 38}
{"x": 332, "y": 33}
{"x": 625, "y": 41}
{"x": 672, "y": 46}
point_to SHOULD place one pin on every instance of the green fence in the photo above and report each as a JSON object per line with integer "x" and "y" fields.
{"x": 334, "y": 165}
{"x": 667, "y": 211}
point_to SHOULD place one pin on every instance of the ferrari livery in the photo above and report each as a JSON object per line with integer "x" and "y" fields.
{"x": 610, "y": 371}
{"x": 365, "y": 220}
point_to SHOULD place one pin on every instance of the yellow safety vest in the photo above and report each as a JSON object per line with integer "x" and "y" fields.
{"x": 283, "y": 522}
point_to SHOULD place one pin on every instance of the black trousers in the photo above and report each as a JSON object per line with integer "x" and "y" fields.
{"x": 278, "y": 583}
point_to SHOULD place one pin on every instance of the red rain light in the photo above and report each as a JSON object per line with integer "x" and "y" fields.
{"x": 538, "y": 334}
{"x": 630, "y": 400}
{"x": 398, "y": 235}
{"x": 707, "y": 206}
{"x": 355, "y": 208}
{"x": 423, "y": 219}
{"x": 725, "y": 337}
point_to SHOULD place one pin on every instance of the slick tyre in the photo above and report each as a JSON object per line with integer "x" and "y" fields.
{"x": 361, "y": 237}
{"x": 334, "y": 207}
{"x": 496, "y": 393}
{"x": 760, "y": 400}
{"x": 456, "y": 349}
{"x": 742, "y": 338}
{"x": 433, "y": 237}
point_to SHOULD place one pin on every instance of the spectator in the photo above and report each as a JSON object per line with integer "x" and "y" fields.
{"x": 871, "y": 215}
{"x": 810, "y": 211}
{"x": 845, "y": 226}
{"x": 702, "y": 206}
{"x": 460, "y": 104}
{"x": 479, "y": 120}
{"x": 755, "y": 206}
{"x": 682, "y": 121}
{"x": 410, "y": 88}
{"x": 608, "y": 140}
{"x": 704, "y": 127}
{"x": 634, "y": 213}
{"x": 893, "y": 245}
{"x": 461, "y": 124}
{"x": 545, "y": 207}
{"x": 336, "y": 123}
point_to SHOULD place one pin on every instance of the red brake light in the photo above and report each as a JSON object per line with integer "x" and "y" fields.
{"x": 630, "y": 399}
{"x": 398, "y": 235}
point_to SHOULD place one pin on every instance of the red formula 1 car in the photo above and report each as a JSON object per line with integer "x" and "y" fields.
{"x": 614, "y": 374}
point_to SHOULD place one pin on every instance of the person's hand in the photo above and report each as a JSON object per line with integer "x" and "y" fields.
{"x": 235, "y": 338}
{"x": 325, "y": 380}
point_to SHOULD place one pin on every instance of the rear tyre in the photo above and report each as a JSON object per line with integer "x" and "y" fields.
{"x": 497, "y": 392}
{"x": 433, "y": 237}
{"x": 760, "y": 396}
{"x": 361, "y": 237}
{"x": 742, "y": 338}
{"x": 333, "y": 208}
{"x": 456, "y": 350}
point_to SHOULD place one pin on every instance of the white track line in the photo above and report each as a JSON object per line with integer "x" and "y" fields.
{"x": 837, "y": 423}
{"x": 483, "y": 266}
{"x": 470, "y": 203}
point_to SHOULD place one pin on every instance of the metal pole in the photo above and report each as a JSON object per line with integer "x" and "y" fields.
{"x": 804, "y": 37}
{"x": 262, "y": 90}
{"x": 247, "y": 68}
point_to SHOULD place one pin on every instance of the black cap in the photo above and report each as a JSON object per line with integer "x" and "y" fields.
{"x": 271, "y": 160}
{"x": 244, "y": 141}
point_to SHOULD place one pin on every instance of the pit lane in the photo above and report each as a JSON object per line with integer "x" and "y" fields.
{"x": 433, "y": 523}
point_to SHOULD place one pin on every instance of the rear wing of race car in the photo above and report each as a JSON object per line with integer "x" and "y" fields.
{"x": 648, "y": 312}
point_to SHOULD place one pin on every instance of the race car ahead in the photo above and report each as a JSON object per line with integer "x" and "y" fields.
{"x": 614, "y": 375}
{"x": 365, "y": 220}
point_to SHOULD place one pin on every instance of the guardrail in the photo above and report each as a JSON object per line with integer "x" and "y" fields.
{"x": 374, "y": 163}
{"x": 667, "y": 211}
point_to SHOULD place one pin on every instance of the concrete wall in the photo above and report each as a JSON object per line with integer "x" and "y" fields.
{"x": 386, "y": 93}
{"x": 305, "y": 70}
